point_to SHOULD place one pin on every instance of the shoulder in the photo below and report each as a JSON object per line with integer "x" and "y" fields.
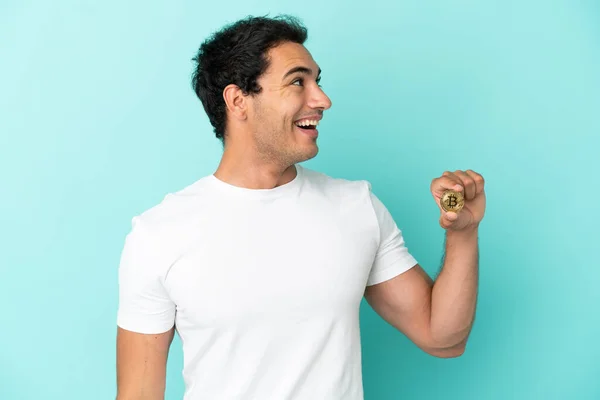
{"x": 157, "y": 235}
{"x": 174, "y": 210}
{"x": 351, "y": 196}
{"x": 336, "y": 186}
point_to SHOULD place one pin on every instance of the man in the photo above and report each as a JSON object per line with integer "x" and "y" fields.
{"x": 261, "y": 266}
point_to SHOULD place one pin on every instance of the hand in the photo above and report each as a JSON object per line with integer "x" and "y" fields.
{"x": 470, "y": 183}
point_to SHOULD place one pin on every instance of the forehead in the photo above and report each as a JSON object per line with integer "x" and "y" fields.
{"x": 287, "y": 56}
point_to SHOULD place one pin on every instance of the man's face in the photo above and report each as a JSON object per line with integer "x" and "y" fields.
{"x": 283, "y": 116}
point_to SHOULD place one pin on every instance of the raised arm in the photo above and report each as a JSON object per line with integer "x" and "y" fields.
{"x": 438, "y": 315}
{"x": 142, "y": 364}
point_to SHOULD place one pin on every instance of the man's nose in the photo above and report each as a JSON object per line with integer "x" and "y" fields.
{"x": 319, "y": 99}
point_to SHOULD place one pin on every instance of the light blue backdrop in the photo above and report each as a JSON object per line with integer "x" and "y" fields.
{"x": 98, "y": 122}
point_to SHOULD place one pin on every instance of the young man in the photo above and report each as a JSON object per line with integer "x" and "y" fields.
{"x": 261, "y": 266}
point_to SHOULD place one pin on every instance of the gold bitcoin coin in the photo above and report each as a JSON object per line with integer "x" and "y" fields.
{"x": 452, "y": 201}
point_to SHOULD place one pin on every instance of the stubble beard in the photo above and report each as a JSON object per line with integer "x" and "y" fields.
{"x": 273, "y": 141}
{"x": 273, "y": 146}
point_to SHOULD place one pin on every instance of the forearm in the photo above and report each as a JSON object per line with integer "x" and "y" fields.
{"x": 454, "y": 293}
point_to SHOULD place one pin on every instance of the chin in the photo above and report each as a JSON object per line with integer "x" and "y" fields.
{"x": 303, "y": 147}
{"x": 309, "y": 153}
{"x": 300, "y": 154}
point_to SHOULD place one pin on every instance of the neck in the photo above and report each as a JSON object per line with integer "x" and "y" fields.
{"x": 242, "y": 166}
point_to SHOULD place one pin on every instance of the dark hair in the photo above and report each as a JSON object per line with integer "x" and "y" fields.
{"x": 237, "y": 55}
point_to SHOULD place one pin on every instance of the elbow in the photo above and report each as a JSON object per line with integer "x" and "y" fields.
{"x": 448, "y": 350}
{"x": 450, "y": 346}
{"x": 452, "y": 352}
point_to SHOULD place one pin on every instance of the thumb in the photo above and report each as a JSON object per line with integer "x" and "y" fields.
{"x": 447, "y": 219}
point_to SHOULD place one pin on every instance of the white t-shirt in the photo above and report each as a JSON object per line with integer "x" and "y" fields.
{"x": 263, "y": 286}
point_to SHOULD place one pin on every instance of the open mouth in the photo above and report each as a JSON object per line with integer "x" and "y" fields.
{"x": 307, "y": 124}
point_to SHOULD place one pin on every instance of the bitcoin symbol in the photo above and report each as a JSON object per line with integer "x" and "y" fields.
{"x": 452, "y": 201}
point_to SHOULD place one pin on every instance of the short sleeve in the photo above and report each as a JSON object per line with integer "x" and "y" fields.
{"x": 144, "y": 305}
{"x": 392, "y": 257}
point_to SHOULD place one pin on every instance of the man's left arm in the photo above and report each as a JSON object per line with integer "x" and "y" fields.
{"x": 438, "y": 316}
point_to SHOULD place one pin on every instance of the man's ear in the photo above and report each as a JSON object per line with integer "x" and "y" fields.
{"x": 235, "y": 101}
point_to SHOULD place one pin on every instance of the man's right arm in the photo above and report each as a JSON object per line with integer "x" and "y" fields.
{"x": 146, "y": 314}
{"x": 142, "y": 364}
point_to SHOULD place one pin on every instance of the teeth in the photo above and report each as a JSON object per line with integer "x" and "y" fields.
{"x": 307, "y": 123}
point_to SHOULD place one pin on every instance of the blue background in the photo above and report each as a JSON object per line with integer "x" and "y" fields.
{"x": 98, "y": 122}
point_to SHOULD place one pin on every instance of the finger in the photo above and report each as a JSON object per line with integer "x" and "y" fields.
{"x": 468, "y": 183}
{"x": 478, "y": 179}
{"x": 445, "y": 182}
{"x": 456, "y": 178}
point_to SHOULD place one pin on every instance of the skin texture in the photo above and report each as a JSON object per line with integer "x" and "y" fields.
{"x": 142, "y": 364}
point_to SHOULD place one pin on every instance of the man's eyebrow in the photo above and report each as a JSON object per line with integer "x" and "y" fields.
{"x": 302, "y": 70}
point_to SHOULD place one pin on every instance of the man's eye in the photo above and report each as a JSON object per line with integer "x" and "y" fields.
{"x": 299, "y": 80}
